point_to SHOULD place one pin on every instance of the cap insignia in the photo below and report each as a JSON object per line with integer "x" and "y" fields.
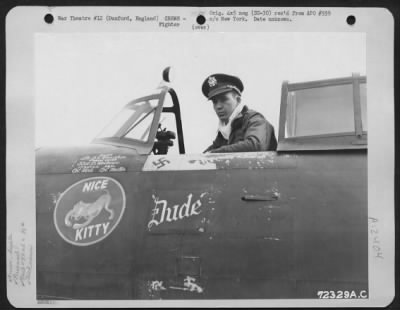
{"x": 212, "y": 81}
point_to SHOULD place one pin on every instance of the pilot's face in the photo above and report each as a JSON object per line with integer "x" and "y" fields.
{"x": 224, "y": 104}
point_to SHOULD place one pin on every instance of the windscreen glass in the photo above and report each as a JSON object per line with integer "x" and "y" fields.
{"x": 133, "y": 122}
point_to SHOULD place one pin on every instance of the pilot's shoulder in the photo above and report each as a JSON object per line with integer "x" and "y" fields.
{"x": 252, "y": 115}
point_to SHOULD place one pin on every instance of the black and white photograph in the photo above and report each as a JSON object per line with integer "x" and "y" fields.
{"x": 200, "y": 155}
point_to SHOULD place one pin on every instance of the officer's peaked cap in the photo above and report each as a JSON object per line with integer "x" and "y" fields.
{"x": 220, "y": 83}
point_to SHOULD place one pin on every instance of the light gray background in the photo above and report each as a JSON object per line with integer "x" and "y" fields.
{"x": 82, "y": 80}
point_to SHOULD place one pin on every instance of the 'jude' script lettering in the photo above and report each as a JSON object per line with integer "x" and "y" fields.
{"x": 162, "y": 213}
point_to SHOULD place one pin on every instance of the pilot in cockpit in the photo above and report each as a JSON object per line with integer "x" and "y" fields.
{"x": 240, "y": 129}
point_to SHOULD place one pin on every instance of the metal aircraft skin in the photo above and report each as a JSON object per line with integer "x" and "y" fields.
{"x": 116, "y": 222}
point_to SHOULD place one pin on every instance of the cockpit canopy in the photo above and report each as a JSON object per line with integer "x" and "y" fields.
{"x": 138, "y": 124}
{"x": 319, "y": 115}
{"x": 325, "y": 114}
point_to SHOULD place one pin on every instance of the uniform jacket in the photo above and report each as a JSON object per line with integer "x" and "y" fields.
{"x": 251, "y": 132}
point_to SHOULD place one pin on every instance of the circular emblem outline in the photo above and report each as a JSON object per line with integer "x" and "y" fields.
{"x": 112, "y": 228}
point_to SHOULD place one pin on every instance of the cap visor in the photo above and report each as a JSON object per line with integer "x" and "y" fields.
{"x": 219, "y": 91}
